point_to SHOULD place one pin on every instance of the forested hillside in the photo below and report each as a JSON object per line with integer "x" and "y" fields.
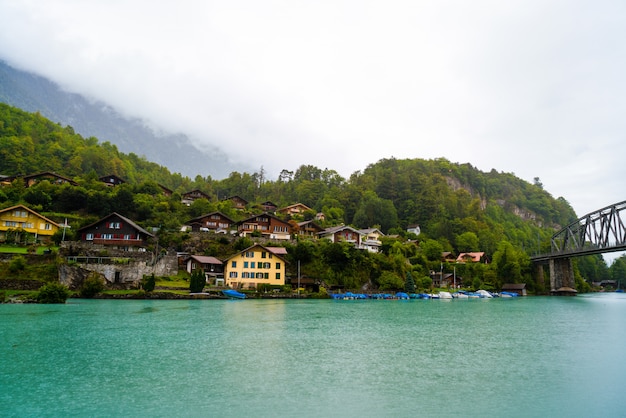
{"x": 458, "y": 207}
{"x": 32, "y": 93}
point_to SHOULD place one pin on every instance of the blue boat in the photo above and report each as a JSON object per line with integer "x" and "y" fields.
{"x": 508, "y": 294}
{"x": 233, "y": 294}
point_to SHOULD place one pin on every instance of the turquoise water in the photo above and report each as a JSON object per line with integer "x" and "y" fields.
{"x": 534, "y": 356}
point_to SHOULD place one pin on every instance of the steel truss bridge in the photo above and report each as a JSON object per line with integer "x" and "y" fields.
{"x": 602, "y": 231}
{"x": 598, "y": 232}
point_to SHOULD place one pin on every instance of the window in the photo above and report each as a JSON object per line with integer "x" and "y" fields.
{"x": 113, "y": 225}
{"x": 277, "y": 266}
{"x": 245, "y": 264}
{"x": 47, "y": 227}
{"x": 89, "y": 237}
{"x": 233, "y": 274}
{"x": 277, "y": 276}
{"x": 233, "y": 264}
{"x": 263, "y": 254}
{"x": 266, "y": 275}
{"x": 10, "y": 224}
{"x": 20, "y": 214}
{"x": 252, "y": 264}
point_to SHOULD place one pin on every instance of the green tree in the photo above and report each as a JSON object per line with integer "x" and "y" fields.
{"x": 92, "y": 285}
{"x": 197, "y": 281}
{"x": 53, "y": 293}
{"x": 409, "y": 283}
{"x": 148, "y": 283}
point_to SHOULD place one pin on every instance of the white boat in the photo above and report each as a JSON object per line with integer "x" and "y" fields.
{"x": 484, "y": 294}
{"x": 460, "y": 295}
{"x": 445, "y": 295}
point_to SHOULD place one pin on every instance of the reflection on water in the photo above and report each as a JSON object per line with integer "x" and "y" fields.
{"x": 535, "y": 356}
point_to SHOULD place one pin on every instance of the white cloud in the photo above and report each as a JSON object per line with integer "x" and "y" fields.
{"x": 530, "y": 87}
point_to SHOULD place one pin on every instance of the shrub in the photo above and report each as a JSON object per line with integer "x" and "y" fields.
{"x": 91, "y": 286}
{"x": 197, "y": 281}
{"x": 148, "y": 283}
{"x": 53, "y": 293}
{"x": 17, "y": 263}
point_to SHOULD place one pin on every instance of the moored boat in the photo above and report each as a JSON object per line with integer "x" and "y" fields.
{"x": 233, "y": 294}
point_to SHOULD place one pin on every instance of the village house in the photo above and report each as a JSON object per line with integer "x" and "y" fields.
{"x": 112, "y": 180}
{"x": 268, "y": 225}
{"x": 370, "y": 240}
{"x": 189, "y": 197}
{"x": 213, "y": 222}
{"x": 309, "y": 229}
{"x": 115, "y": 231}
{"x": 239, "y": 203}
{"x": 254, "y": 266}
{"x": 166, "y": 192}
{"x": 267, "y": 206}
{"x": 295, "y": 209}
{"x": 413, "y": 229}
{"x": 473, "y": 257}
{"x": 21, "y": 224}
{"x": 448, "y": 257}
{"x": 342, "y": 233}
{"x": 53, "y": 178}
{"x": 212, "y": 267}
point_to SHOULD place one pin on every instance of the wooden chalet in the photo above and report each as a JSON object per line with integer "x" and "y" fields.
{"x": 212, "y": 267}
{"x": 239, "y": 202}
{"x": 342, "y": 233}
{"x": 115, "y": 231}
{"x": 189, "y": 197}
{"x": 268, "y": 225}
{"x": 295, "y": 209}
{"x": 309, "y": 229}
{"x": 268, "y": 206}
{"x": 213, "y": 222}
{"x": 475, "y": 257}
{"x": 53, "y": 178}
{"x": 112, "y": 180}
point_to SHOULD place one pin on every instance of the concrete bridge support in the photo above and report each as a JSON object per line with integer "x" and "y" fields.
{"x": 562, "y": 277}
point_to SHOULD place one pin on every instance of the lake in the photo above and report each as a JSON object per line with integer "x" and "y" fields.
{"x": 532, "y": 356}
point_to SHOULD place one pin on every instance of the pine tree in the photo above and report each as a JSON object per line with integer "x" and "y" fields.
{"x": 409, "y": 284}
{"x": 197, "y": 281}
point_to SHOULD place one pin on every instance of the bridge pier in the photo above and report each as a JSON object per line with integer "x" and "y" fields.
{"x": 562, "y": 277}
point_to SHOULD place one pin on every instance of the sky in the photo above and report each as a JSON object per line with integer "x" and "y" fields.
{"x": 531, "y": 87}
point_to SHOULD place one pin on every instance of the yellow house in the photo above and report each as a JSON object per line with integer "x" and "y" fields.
{"x": 19, "y": 220}
{"x": 256, "y": 265}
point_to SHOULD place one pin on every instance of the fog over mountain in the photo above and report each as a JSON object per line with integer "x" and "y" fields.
{"x": 89, "y": 118}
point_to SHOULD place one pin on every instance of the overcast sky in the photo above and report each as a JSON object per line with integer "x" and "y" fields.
{"x": 534, "y": 88}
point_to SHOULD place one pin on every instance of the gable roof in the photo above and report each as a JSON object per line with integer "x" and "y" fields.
{"x": 473, "y": 257}
{"x": 125, "y": 219}
{"x": 31, "y": 211}
{"x": 198, "y": 218}
{"x": 236, "y": 197}
{"x": 335, "y": 229}
{"x": 115, "y": 178}
{"x": 48, "y": 173}
{"x": 295, "y": 205}
{"x": 274, "y": 250}
{"x": 370, "y": 231}
{"x": 203, "y": 259}
{"x": 269, "y": 215}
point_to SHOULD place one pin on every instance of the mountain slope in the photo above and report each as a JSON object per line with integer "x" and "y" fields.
{"x": 36, "y": 94}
